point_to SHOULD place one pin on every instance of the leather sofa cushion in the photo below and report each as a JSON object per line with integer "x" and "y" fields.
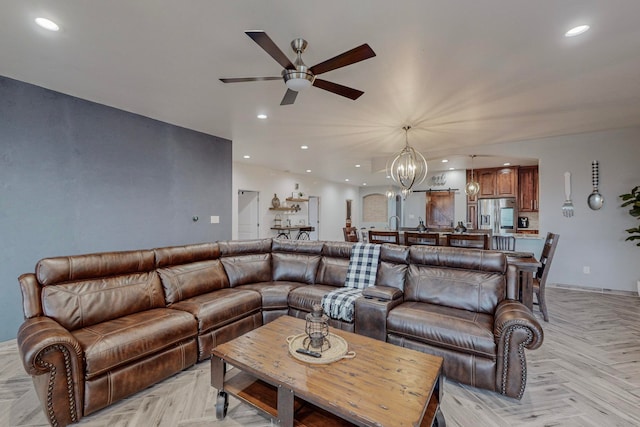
{"x": 304, "y": 297}
{"x": 297, "y": 246}
{"x": 84, "y": 303}
{"x": 218, "y": 308}
{"x": 188, "y": 280}
{"x": 295, "y": 267}
{"x": 468, "y": 259}
{"x": 471, "y": 290}
{"x": 121, "y": 341}
{"x": 459, "y": 330}
{"x": 332, "y": 271}
{"x": 174, "y": 255}
{"x": 80, "y": 267}
{"x": 245, "y": 247}
{"x": 391, "y": 274}
{"x": 274, "y": 294}
{"x": 245, "y": 269}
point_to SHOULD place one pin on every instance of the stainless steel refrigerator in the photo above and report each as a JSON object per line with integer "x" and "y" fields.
{"x": 498, "y": 215}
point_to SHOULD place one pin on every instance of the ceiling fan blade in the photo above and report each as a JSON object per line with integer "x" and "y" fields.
{"x": 289, "y": 97}
{"x": 338, "y": 89}
{"x": 352, "y": 56}
{"x": 265, "y": 42}
{"x": 249, "y": 79}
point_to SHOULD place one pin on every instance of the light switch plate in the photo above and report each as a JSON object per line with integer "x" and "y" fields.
{"x": 215, "y": 219}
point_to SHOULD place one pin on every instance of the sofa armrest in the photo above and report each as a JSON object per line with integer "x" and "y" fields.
{"x": 53, "y": 357}
{"x": 371, "y": 316}
{"x": 515, "y": 329}
{"x": 382, "y": 293}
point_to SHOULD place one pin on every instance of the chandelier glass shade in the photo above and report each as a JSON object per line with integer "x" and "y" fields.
{"x": 408, "y": 168}
{"x": 473, "y": 187}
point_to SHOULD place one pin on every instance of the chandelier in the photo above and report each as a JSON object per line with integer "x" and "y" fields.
{"x": 472, "y": 186}
{"x": 409, "y": 167}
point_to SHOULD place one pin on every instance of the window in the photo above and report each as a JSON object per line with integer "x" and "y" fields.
{"x": 374, "y": 208}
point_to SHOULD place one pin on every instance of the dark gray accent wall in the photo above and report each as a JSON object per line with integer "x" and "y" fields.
{"x": 79, "y": 177}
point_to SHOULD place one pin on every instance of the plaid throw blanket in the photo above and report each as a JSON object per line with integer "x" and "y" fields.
{"x": 361, "y": 273}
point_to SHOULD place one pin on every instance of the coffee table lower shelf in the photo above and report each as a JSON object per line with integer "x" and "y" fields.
{"x": 264, "y": 397}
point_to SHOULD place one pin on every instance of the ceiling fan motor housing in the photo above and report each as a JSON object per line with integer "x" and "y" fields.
{"x": 300, "y": 78}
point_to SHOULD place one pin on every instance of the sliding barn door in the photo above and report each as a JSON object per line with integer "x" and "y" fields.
{"x": 440, "y": 209}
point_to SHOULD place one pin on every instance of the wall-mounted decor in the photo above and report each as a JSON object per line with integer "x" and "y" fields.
{"x": 595, "y": 199}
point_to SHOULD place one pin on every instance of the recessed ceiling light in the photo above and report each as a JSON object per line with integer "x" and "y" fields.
{"x": 364, "y": 183}
{"x": 451, "y": 169}
{"x": 303, "y": 147}
{"x": 357, "y": 166}
{"x": 506, "y": 164}
{"x": 388, "y": 177}
{"x": 262, "y": 116}
{"x": 308, "y": 170}
{"x": 575, "y": 31}
{"x": 47, "y": 24}
{"x": 445, "y": 161}
{"x": 246, "y": 156}
{"x": 346, "y": 179}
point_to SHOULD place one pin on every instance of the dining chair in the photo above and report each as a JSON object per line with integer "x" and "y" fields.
{"x": 350, "y": 234}
{"x": 376, "y": 236}
{"x": 503, "y": 243}
{"x": 413, "y": 238}
{"x": 475, "y": 241}
{"x": 540, "y": 281}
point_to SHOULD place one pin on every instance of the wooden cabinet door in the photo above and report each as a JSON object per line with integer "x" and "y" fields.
{"x": 487, "y": 181}
{"x": 506, "y": 182}
{"x": 472, "y": 214}
{"x": 440, "y": 209}
{"x": 528, "y": 189}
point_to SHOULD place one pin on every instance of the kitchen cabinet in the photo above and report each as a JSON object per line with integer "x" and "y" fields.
{"x": 497, "y": 182}
{"x": 528, "y": 189}
{"x": 472, "y": 214}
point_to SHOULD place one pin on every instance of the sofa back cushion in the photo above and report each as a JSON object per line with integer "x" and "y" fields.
{"x": 195, "y": 278}
{"x": 295, "y": 261}
{"x": 332, "y": 269}
{"x": 246, "y": 261}
{"x": 244, "y": 269}
{"x": 84, "y": 290}
{"x": 467, "y": 279}
{"x": 392, "y": 270}
{"x": 175, "y": 255}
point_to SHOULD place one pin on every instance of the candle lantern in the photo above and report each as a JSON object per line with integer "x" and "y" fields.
{"x": 317, "y": 330}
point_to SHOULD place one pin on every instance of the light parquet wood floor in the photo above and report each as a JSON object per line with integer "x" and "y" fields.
{"x": 587, "y": 373}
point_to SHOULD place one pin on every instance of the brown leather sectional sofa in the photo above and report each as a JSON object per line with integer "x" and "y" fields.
{"x": 100, "y": 327}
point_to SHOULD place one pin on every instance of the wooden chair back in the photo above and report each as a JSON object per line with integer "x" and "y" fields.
{"x": 503, "y": 243}
{"x": 376, "y": 236}
{"x": 548, "y": 250}
{"x": 474, "y": 241}
{"x": 413, "y": 238}
{"x": 350, "y": 234}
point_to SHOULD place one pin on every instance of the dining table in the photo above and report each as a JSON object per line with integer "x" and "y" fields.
{"x": 526, "y": 265}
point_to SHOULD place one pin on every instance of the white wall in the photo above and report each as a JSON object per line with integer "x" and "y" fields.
{"x": 332, "y": 199}
{"x": 589, "y": 238}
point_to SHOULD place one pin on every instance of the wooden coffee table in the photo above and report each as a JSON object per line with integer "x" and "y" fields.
{"x": 383, "y": 385}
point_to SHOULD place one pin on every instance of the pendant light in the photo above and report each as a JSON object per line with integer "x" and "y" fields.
{"x": 408, "y": 167}
{"x": 473, "y": 187}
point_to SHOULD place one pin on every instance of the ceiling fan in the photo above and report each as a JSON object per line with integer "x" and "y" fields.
{"x": 297, "y": 76}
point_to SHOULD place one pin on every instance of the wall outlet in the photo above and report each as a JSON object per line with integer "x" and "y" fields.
{"x": 215, "y": 219}
{"x": 586, "y": 269}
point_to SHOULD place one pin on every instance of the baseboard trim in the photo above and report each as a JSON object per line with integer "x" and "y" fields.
{"x": 595, "y": 290}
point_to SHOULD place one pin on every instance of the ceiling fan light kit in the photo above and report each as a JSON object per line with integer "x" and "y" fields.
{"x": 297, "y": 76}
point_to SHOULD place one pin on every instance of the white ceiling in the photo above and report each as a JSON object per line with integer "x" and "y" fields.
{"x": 461, "y": 72}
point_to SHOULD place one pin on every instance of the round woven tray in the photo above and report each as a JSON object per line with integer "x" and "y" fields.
{"x": 338, "y": 350}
